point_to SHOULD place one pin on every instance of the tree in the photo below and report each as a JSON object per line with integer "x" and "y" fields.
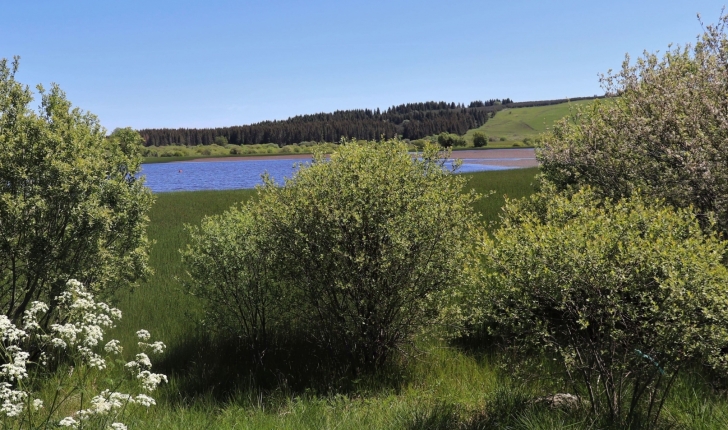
{"x": 71, "y": 205}
{"x": 624, "y": 295}
{"x": 664, "y": 131}
{"x": 447, "y": 140}
{"x": 479, "y": 140}
{"x": 370, "y": 243}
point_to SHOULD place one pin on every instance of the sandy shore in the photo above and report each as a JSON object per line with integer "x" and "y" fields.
{"x": 516, "y": 157}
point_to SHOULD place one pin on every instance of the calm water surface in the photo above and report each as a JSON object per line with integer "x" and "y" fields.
{"x": 228, "y": 175}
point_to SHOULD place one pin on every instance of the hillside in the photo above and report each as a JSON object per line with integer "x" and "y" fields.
{"x": 516, "y": 124}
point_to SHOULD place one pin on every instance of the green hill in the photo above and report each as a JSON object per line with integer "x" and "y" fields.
{"x": 516, "y": 124}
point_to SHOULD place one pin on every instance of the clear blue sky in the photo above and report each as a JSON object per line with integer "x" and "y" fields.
{"x": 217, "y": 63}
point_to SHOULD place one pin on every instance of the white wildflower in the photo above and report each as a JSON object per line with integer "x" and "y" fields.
{"x": 58, "y": 343}
{"x": 113, "y": 347}
{"x": 15, "y": 370}
{"x": 37, "y": 404}
{"x": 143, "y": 360}
{"x": 144, "y": 400}
{"x": 8, "y": 331}
{"x": 68, "y": 422}
{"x": 12, "y": 400}
{"x": 81, "y": 334}
{"x": 93, "y": 335}
{"x": 157, "y": 347}
{"x": 68, "y": 332}
{"x": 97, "y": 362}
{"x": 150, "y": 380}
{"x": 121, "y": 397}
{"x": 30, "y": 321}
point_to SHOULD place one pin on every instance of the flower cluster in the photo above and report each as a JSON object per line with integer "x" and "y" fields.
{"x": 79, "y": 335}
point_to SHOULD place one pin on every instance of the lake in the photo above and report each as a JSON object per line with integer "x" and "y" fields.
{"x": 228, "y": 175}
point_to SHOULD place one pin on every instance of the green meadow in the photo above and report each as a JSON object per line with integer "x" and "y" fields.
{"x": 438, "y": 386}
{"x": 517, "y": 124}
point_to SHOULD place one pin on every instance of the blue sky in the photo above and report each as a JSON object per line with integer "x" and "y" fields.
{"x": 217, "y": 63}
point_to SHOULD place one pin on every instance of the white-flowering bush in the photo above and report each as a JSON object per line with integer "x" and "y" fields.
{"x": 29, "y": 353}
{"x": 666, "y": 134}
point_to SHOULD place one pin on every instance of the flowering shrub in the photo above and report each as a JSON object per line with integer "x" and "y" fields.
{"x": 666, "y": 133}
{"x": 29, "y": 354}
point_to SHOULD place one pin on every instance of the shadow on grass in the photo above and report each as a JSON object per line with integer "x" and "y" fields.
{"x": 506, "y": 409}
{"x": 223, "y": 370}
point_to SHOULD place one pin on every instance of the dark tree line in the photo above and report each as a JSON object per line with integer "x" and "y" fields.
{"x": 410, "y": 121}
{"x": 491, "y": 102}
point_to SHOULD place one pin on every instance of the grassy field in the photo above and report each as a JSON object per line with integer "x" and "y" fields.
{"x": 517, "y": 124}
{"x": 441, "y": 386}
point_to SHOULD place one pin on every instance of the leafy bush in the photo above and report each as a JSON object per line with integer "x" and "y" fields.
{"x": 70, "y": 202}
{"x": 446, "y": 140}
{"x": 369, "y": 243}
{"x": 479, "y": 140}
{"x": 232, "y": 270}
{"x": 664, "y": 131}
{"x": 624, "y": 295}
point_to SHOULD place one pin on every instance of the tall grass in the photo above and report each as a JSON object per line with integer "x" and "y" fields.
{"x": 161, "y": 304}
{"x": 513, "y": 184}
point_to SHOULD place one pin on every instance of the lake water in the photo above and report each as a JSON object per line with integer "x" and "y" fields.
{"x": 229, "y": 175}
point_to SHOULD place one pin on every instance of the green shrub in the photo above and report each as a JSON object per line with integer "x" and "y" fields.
{"x": 479, "y": 140}
{"x": 70, "y": 203}
{"x": 664, "y": 131}
{"x": 369, "y": 242}
{"x": 447, "y": 140}
{"x": 624, "y": 295}
{"x": 419, "y": 144}
{"x": 231, "y": 268}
